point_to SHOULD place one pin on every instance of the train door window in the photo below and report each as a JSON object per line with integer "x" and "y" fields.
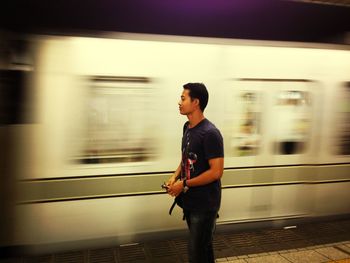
{"x": 120, "y": 121}
{"x": 292, "y": 116}
{"x": 343, "y": 121}
{"x": 245, "y": 117}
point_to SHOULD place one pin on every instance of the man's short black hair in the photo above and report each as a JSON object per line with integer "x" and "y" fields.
{"x": 198, "y": 91}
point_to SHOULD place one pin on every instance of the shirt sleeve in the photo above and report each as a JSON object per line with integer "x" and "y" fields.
{"x": 213, "y": 144}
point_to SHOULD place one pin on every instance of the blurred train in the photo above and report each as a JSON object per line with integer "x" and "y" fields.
{"x": 97, "y": 131}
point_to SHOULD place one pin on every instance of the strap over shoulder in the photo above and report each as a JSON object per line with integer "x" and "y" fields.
{"x": 186, "y": 125}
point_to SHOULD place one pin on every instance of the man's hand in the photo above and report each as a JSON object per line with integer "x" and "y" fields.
{"x": 171, "y": 180}
{"x": 176, "y": 188}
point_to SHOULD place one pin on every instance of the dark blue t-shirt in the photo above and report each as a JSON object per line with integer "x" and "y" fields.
{"x": 200, "y": 144}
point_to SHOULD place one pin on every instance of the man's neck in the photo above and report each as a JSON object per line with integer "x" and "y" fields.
{"x": 195, "y": 118}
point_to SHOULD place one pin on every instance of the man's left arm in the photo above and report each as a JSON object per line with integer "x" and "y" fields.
{"x": 212, "y": 174}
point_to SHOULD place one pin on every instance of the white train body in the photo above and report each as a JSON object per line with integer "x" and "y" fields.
{"x": 107, "y": 131}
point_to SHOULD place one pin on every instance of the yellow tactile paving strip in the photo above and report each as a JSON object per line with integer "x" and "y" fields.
{"x": 335, "y": 252}
{"x": 340, "y": 261}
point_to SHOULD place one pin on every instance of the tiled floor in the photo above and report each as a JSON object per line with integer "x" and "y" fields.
{"x": 311, "y": 242}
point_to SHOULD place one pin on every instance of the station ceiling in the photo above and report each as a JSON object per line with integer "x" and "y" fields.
{"x": 290, "y": 20}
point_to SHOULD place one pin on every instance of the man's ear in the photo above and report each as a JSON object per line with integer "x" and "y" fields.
{"x": 196, "y": 101}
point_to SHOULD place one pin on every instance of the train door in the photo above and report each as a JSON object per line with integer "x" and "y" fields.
{"x": 268, "y": 130}
{"x": 290, "y": 128}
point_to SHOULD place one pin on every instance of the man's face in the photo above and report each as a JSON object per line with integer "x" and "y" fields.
{"x": 186, "y": 105}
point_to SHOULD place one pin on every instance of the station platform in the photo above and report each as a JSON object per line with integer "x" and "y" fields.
{"x": 327, "y": 241}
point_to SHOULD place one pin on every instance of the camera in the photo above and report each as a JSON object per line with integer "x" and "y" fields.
{"x": 164, "y": 186}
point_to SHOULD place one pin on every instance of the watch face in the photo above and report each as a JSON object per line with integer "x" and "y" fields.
{"x": 186, "y": 189}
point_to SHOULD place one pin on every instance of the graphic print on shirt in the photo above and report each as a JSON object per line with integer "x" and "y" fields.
{"x": 188, "y": 158}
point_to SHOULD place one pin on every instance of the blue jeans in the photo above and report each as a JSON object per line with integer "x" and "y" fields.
{"x": 202, "y": 227}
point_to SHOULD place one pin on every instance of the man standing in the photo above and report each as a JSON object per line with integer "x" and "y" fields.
{"x": 198, "y": 175}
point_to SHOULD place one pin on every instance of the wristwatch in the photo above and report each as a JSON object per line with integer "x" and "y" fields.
{"x": 185, "y": 189}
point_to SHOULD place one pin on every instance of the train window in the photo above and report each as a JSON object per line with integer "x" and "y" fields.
{"x": 292, "y": 121}
{"x": 14, "y": 104}
{"x": 343, "y": 121}
{"x": 246, "y": 138}
{"x": 119, "y": 121}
